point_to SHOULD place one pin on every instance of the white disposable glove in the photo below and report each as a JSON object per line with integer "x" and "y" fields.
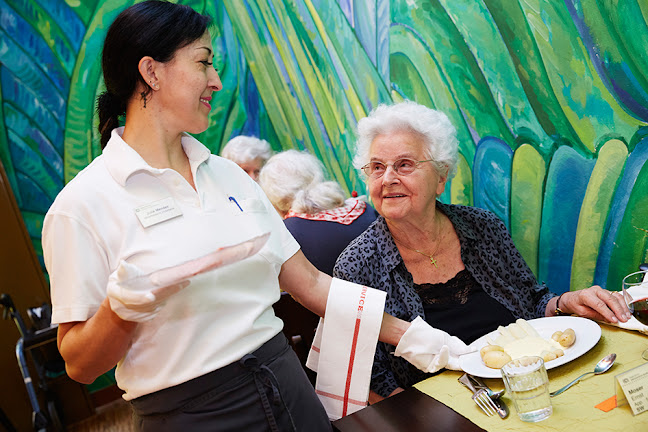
{"x": 134, "y": 296}
{"x": 430, "y": 349}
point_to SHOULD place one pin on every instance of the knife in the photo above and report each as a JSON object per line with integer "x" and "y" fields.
{"x": 475, "y": 383}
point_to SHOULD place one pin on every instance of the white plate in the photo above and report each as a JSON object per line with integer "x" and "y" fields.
{"x": 587, "y": 332}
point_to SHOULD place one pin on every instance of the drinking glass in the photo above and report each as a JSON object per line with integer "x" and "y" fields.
{"x": 527, "y": 384}
{"x": 638, "y": 304}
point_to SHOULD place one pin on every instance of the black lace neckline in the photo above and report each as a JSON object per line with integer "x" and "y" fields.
{"x": 454, "y": 291}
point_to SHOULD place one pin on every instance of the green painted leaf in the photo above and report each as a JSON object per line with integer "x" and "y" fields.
{"x": 632, "y": 237}
{"x": 516, "y": 31}
{"x": 461, "y": 184}
{"x": 565, "y": 188}
{"x": 594, "y": 211}
{"x": 407, "y": 49}
{"x": 436, "y": 30}
{"x": 528, "y": 173}
{"x": 587, "y": 105}
{"x": 78, "y": 140}
{"x": 485, "y": 43}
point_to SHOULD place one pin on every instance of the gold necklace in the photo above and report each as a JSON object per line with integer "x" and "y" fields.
{"x": 431, "y": 257}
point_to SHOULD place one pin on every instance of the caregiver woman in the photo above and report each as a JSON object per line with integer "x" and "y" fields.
{"x": 210, "y": 356}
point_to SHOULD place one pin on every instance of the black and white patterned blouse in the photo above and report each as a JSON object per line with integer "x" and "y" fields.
{"x": 487, "y": 252}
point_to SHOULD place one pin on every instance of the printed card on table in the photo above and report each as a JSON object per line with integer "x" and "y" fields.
{"x": 632, "y": 388}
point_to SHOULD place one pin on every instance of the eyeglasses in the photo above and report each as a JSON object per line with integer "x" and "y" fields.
{"x": 376, "y": 169}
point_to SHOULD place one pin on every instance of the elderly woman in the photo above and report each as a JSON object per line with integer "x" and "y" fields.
{"x": 315, "y": 210}
{"x": 249, "y": 153}
{"x": 455, "y": 266}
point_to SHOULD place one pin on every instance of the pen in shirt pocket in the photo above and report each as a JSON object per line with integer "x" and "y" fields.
{"x": 232, "y": 199}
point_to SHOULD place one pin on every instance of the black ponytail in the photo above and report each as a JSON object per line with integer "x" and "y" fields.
{"x": 109, "y": 108}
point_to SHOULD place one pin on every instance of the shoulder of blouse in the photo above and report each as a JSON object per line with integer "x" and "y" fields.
{"x": 360, "y": 255}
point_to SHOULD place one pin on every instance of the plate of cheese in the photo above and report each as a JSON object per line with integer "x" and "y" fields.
{"x": 518, "y": 340}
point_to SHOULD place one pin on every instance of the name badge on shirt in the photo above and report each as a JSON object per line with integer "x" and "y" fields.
{"x": 158, "y": 211}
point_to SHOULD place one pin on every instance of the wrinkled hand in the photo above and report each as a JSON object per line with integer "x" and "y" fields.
{"x": 430, "y": 349}
{"x": 134, "y": 297}
{"x": 596, "y": 303}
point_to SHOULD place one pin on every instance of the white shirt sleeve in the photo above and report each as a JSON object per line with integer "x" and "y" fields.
{"x": 77, "y": 265}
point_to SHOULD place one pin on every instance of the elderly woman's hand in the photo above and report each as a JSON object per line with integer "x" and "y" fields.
{"x": 596, "y": 303}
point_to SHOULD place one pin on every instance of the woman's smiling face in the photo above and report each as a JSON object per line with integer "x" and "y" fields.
{"x": 404, "y": 198}
{"x": 186, "y": 85}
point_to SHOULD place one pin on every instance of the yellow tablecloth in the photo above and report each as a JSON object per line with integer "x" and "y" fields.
{"x": 573, "y": 410}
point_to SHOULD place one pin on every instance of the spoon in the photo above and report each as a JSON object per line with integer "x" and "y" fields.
{"x": 495, "y": 394}
{"x": 602, "y": 366}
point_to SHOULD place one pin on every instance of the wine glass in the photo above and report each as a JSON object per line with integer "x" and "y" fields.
{"x": 638, "y": 306}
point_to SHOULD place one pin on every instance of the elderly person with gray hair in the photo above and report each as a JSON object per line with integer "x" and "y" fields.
{"x": 456, "y": 267}
{"x": 315, "y": 210}
{"x": 249, "y": 153}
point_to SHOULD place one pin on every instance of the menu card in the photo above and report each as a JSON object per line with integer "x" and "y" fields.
{"x": 632, "y": 388}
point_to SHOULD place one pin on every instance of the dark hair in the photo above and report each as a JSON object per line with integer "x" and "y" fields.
{"x": 152, "y": 28}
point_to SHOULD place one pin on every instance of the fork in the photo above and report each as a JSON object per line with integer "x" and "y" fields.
{"x": 484, "y": 402}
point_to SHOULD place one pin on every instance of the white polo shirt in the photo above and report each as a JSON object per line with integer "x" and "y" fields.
{"x": 223, "y": 314}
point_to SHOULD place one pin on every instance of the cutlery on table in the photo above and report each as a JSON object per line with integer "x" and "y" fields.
{"x": 478, "y": 383}
{"x": 482, "y": 396}
{"x": 601, "y": 367}
{"x": 484, "y": 402}
{"x": 502, "y": 409}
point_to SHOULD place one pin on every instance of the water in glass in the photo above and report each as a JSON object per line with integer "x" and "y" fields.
{"x": 527, "y": 384}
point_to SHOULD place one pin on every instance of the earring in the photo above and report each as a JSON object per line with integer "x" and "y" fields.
{"x": 154, "y": 85}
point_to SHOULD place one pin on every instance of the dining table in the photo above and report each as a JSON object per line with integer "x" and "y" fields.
{"x": 441, "y": 403}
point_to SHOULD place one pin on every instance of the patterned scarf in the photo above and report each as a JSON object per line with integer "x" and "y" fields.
{"x": 345, "y": 215}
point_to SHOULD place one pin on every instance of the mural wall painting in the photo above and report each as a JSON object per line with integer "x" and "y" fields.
{"x": 550, "y": 99}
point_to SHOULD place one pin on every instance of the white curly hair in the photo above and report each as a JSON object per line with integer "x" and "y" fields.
{"x": 433, "y": 126}
{"x": 245, "y": 149}
{"x": 295, "y": 180}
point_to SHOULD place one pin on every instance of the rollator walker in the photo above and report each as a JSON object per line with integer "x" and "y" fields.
{"x": 48, "y": 363}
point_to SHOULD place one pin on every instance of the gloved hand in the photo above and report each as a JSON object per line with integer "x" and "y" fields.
{"x": 134, "y": 296}
{"x": 430, "y": 349}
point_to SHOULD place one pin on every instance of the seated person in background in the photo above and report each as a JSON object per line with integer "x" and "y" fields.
{"x": 454, "y": 266}
{"x": 249, "y": 153}
{"x": 314, "y": 210}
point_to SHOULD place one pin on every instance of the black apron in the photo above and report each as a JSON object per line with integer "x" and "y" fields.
{"x": 264, "y": 391}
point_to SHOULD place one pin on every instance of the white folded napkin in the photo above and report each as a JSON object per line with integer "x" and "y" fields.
{"x": 637, "y": 292}
{"x": 343, "y": 351}
{"x": 632, "y": 324}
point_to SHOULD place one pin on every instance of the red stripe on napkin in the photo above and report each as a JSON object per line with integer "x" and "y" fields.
{"x": 356, "y": 331}
{"x": 340, "y": 398}
{"x": 350, "y": 370}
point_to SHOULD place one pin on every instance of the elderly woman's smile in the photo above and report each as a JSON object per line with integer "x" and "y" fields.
{"x": 402, "y": 184}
